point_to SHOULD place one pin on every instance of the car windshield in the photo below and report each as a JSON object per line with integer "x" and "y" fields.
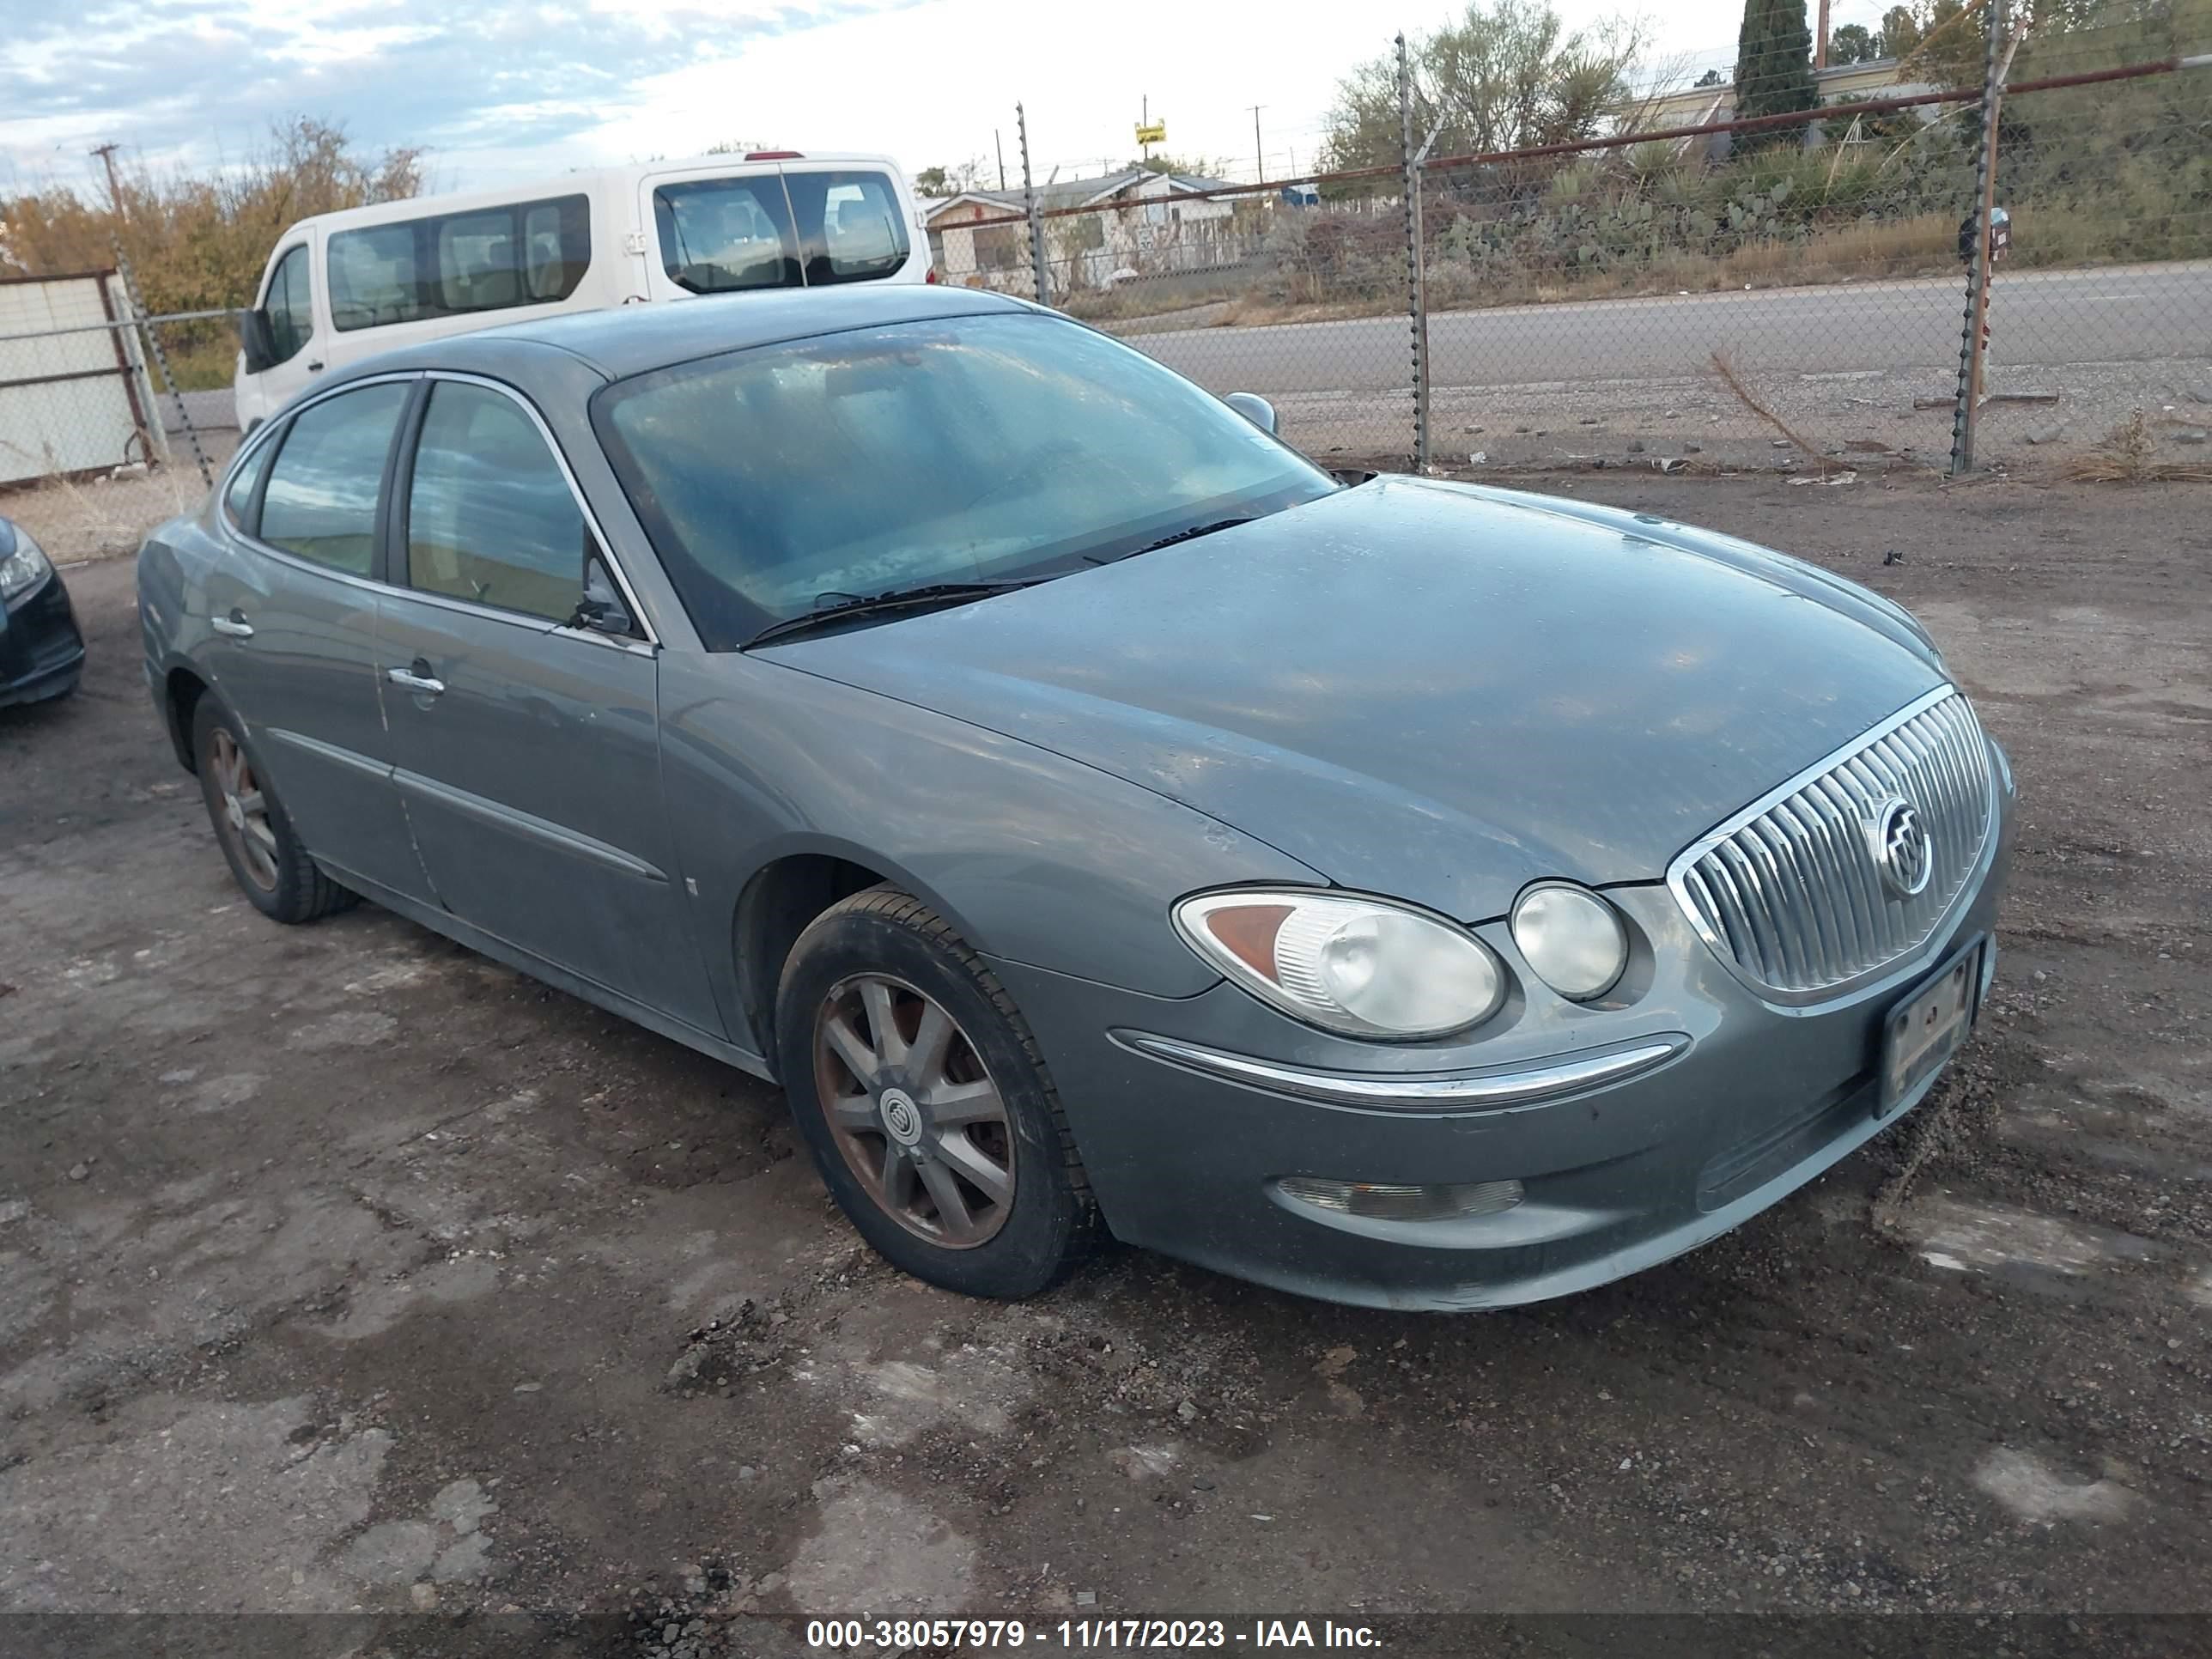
{"x": 957, "y": 449}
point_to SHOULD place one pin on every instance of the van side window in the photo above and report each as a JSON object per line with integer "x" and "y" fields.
{"x": 290, "y": 307}
{"x": 450, "y": 264}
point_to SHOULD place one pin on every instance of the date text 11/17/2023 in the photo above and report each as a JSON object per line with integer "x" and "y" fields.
{"x": 1159, "y": 1635}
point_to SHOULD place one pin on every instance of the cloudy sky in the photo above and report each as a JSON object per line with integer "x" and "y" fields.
{"x": 504, "y": 90}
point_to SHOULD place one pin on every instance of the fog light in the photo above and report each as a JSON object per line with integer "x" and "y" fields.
{"x": 1388, "y": 1203}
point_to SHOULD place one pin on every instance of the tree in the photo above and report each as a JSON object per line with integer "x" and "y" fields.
{"x": 974, "y": 174}
{"x": 1774, "y": 60}
{"x": 1508, "y": 75}
{"x": 1853, "y": 43}
{"x": 1713, "y": 77}
{"x": 1900, "y": 32}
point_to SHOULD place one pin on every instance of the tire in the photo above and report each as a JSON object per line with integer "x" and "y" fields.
{"x": 890, "y": 1142}
{"x": 265, "y": 858}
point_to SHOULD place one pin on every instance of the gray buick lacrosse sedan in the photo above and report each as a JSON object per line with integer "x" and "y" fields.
{"x": 1098, "y": 818}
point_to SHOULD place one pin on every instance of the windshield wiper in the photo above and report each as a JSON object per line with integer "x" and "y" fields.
{"x": 839, "y": 607}
{"x": 1190, "y": 535}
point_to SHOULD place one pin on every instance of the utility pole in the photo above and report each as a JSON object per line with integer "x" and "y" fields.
{"x": 106, "y": 153}
{"x": 1001, "y": 144}
{"x": 1821, "y": 40}
{"x": 1258, "y": 155}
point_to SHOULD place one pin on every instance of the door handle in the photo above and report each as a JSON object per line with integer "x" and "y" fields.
{"x": 417, "y": 678}
{"x": 234, "y": 625}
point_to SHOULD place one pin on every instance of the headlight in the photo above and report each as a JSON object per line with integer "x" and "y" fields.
{"x": 1573, "y": 937}
{"x": 23, "y": 569}
{"x": 1365, "y": 967}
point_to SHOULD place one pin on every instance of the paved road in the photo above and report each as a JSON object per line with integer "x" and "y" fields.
{"x": 2037, "y": 317}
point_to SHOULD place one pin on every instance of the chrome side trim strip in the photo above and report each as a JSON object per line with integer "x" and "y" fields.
{"x": 352, "y": 760}
{"x": 528, "y": 824}
{"x": 1470, "y": 1091}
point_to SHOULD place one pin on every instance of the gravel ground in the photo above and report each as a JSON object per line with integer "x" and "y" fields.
{"x": 344, "y": 1274}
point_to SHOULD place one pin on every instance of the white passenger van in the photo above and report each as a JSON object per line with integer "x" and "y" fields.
{"x": 343, "y": 285}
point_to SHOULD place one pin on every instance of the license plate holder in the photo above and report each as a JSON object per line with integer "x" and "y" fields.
{"x": 1927, "y": 1026}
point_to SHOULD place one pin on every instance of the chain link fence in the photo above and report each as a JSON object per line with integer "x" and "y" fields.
{"x": 1804, "y": 291}
{"x": 97, "y": 443}
{"x": 1993, "y": 250}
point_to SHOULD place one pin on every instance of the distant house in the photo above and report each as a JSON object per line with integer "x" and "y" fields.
{"x": 1839, "y": 83}
{"x": 1140, "y": 221}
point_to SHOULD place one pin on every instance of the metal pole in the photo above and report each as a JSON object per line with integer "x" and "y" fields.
{"x": 106, "y": 153}
{"x": 1964, "y": 409}
{"x": 1417, "y": 306}
{"x": 161, "y": 363}
{"x": 1029, "y": 207}
{"x": 1258, "y": 155}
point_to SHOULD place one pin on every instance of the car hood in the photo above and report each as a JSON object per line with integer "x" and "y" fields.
{"x": 1427, "y": 689}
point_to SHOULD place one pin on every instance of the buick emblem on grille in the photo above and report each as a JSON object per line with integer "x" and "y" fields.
{"x": 1900, "y": 847}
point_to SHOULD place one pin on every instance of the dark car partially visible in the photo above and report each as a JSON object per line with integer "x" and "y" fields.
{"x": 41, "y": 652}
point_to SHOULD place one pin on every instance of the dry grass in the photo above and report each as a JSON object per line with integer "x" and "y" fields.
{"x": 1924, "y": 245}
{"x": 1730, "y": 378}
{"x": 2129, "y": 454}
{"x": 107, "y": 516}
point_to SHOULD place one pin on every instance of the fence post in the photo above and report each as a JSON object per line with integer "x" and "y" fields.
{"x": 1965, "y": 408}
{"x": 1029, "y": 207}
{"x": 1416, "y": 305}
{"x": 138, "y": 315}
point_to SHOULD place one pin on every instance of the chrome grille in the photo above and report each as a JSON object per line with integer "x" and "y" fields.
{"x": 1789, "y": 891}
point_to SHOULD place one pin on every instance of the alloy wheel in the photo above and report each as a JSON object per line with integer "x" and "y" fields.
{"x": 242, "y": 816}
{"x": 913, "y": 1110}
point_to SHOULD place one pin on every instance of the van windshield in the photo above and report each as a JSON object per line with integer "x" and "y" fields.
{"x": 799, "y": 229}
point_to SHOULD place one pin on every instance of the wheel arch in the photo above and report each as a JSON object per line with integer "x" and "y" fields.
{"x": 182, "y": 687}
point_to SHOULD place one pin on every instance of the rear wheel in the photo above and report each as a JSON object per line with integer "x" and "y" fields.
{"x": 266, "y": 860}
{"x": 927, "y": 1109}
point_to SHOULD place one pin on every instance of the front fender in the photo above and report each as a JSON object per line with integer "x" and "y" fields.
{"x": 1035, "y": 858}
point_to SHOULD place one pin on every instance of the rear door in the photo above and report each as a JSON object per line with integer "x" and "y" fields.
{"x": 527, "y": 749}
{"x": 292, "y": 609}
{"x": 853, "y": 223}
{"x": 792, "y": 224}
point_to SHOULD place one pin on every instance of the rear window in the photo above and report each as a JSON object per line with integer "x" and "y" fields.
{"x": 518, "y": 254}
{"x": 788, "y": 230}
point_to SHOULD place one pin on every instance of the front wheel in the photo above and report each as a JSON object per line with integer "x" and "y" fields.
{"x": 922, "y": 1098}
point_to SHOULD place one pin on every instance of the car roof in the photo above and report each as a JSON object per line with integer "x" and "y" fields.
{"x": 629, "y": 340}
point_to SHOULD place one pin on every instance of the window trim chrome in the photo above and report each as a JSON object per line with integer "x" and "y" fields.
{"x": 649, "y": 646}
{"x": 1883, "y": 973}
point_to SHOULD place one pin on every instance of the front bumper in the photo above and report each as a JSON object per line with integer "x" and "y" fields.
{"x": 41, "y": 652}
{"x": 1722, "y": 1104}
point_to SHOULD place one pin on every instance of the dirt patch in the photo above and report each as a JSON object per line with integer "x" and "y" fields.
{"x": 341, "y": 1269}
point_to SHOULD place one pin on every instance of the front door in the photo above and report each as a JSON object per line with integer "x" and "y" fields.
{"x": 292, "y": 609}
{"x": 527, "y": 749}
{"x": 288, "y": 303}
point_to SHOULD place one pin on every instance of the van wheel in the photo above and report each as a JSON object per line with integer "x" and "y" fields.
{"x": 920, "y": 1094}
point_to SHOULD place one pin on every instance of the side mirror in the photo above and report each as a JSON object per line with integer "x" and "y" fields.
{"x": 601, "y": 609}
{"x": 255, "y": 338}
{"x": 1253, "y": 407}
